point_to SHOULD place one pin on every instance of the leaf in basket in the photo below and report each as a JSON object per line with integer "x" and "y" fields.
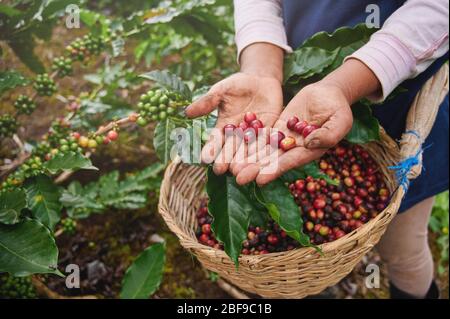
{"x": 311, "y": 169}
{"x": 230, "y": 206}
{"x": 366, "y": 127}
{"x": 283, "y": 209}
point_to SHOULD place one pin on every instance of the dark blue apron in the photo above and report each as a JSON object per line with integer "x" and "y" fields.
{"x": 303, "y": 18}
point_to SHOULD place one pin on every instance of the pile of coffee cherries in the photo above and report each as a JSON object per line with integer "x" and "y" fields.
{"x": 329, "y": 212}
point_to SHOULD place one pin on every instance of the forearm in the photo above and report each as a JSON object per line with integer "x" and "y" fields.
{"x": 409, "y": 42}
{"x": 355, "y": 80}
{"x": 263, "y": 59}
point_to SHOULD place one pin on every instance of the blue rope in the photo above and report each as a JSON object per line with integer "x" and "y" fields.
{"x": 413, "y": 132}
{"x": 404, "y": 167}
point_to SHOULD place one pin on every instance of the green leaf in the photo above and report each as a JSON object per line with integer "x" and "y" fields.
{"x": 366, "y": 127}
{"x": 10, "y": 80}
{"x": 169, "y": 81}
{"x": 306, "y": 62}
{"x": 43, "y": 200}
{"x": 118, "y": 46}
{"x": 144, "y": 276}
{"x": 23, "y": 47}
{"x": 69, "y": 161}
{"x": 324, "y": 52}
{"x": 81, "y": 202}
{"x": 27, "y": 248}
{"x": 230, "y": 206}
{"x": 8, "y": 11}
{"x": 150, "y": 172}
{"x": 283, "y": 209}
{"x": 312, "y": 169}
{"x": 346, "y": 39}
{"x": 165, "y": 140}
{"x": 11, "y": 205}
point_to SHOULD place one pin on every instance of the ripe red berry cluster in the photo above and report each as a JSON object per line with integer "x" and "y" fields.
{"x": 301, "y": 127}
{"x": 329, "y": 211}
{"x": 249, "y": 128}
{"x": 259, "y": 241}
{"x": 204, "y": 232}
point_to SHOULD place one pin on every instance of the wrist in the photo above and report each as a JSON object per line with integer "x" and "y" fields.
{"x": 354, "y": 79}
{"x": 263, "y": 60}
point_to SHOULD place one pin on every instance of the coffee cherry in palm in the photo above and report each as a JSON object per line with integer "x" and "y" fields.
{"x": 44, "y": 85}
{"x": 24, "y": 105}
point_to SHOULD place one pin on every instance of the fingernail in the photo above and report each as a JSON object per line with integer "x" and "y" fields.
{"x": 314, "y": 144}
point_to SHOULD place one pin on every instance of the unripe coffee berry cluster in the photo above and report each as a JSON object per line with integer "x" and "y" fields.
{"x": 69, "y": 226}
{"x": 330, "y": 212}
{"x": 63, "y": 66}
{"x": 8, "y": 126}
{"x": 16, "y": 287}
{"x": 83, "y": 48}
{"x": 157, "y": 105}
{"x": 24, "y": 105}
{"x": 31, "y": 167}
{"x": 44, "y": 85}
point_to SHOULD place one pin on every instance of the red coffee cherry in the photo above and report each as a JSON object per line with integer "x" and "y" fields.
{"x": 300, "y": 126}
{"x": 276, "y": 138}
{"x": 308, "y": 130}
{"x": 249, "y": 136}
{"x": 113, "y": 135}
{"x": 291, "y": 122}
{"x": 288, "y": 143}
{"x": 256, "y": 125}
{"x": 243, "y": 126}
{"x": 229, "y": 128}
{"x": 249, "y": 117}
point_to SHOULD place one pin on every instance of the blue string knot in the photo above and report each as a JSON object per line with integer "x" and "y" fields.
{"x": 403, "y": 168}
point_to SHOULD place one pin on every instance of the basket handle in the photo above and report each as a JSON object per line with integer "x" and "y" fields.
{"x": 420, "y": 121}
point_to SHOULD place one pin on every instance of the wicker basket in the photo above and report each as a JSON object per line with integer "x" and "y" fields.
{"x": 301, "y": 272}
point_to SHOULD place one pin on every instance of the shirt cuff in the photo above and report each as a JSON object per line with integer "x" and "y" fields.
{"x": 261, "y": 31}
{"x": 390, "y": 60}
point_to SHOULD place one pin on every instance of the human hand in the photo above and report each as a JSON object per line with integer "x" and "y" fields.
{"x": 235, "y": 96}
{"x": 321, "y": 104}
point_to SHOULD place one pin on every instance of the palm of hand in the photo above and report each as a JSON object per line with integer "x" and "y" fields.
{"x": 243, "y": 93}
{"x": 321, "y": 105}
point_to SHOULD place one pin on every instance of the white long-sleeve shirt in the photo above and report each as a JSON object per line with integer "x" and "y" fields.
{"x": 410, "y": 40}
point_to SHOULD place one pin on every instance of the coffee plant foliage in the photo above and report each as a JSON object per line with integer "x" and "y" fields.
{"x": 32, "y": 202}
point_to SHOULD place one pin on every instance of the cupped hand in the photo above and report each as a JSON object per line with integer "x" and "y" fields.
{"x": 320, "y": 104}
{"x": 235, "y": 96}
